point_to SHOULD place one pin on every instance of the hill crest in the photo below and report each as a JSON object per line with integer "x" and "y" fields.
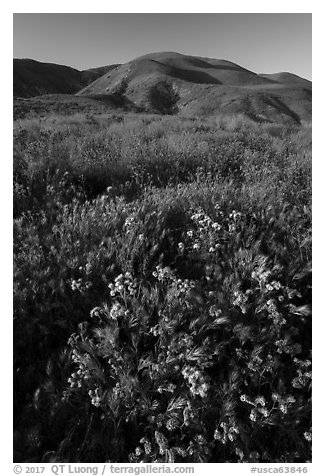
{"x": 174, "y": 83}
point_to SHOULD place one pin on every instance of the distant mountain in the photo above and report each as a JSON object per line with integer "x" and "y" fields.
{"x": 190, "y": 85}
{"x": 172, "y": 83}
{"x": 33, "y": 78}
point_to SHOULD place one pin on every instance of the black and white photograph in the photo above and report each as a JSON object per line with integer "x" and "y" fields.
{"x": 162, "y": 239}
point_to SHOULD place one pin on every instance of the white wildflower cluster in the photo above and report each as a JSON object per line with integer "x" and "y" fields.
{"x": 205, "y": 228}
{"x": 179, "y": 286}
{"x": 305, "y": 364}
{"x": 241, "y": 300}
{"x": 308, "y": 435}
{"x": 129, "y": 224}
{"x": 255, "y": 363}
{"x": 234, "y": 215}
{"x": 123, "y": 284}
{"x": 283, "y": 346}
{"x": 88, "y": 268}
{"x": 259, "y": 365}
{"x": 181, "y": 247}
{"x": 117, "y": 310}
{"x": 197, "y": 381}
{"x": 147, "y": 445}
{"x": 80, "y": 285}
{"x": 272, "y": 310}
{"x": 200, "y": 440}
{"x": 163, "y": 274}
{"x": 260, "y": 401}
{"x": 95, "y": 312}
{"x": 162, "y": 442}
{"x": 282, "y": 403}
{"x": 229, "y": 431}
{"x": 172, "y": 423}
{"x": 239, "y": 453}
{"x": 273, "y": 286}
{"x": 183, "y": 286}
{"x": 214, "y": 311}
{"x": 303, "y": 373}
{"x": 138, "y": 451}
{"x": 204, "y": 222}
{"x": 188, "y": 414}
{"x": 83, "y": 373}
{"x": 253, "y": 415}
{"x": 233, "y": 219}
{"x": 261, "y": 274}
{"x": 259, "y": 405}
{"x": 96, "y": 396}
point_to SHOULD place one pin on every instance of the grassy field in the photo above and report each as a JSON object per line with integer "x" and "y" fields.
{"x": 162, "y": 289}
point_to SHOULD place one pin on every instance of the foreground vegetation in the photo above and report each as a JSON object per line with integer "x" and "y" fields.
{"x": 162, "y": 290}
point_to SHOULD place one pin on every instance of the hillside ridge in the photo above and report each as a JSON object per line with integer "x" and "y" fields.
{"x": 174, "y": 83}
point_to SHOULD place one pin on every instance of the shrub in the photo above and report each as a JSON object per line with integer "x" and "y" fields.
{"x": 162, "y": 291}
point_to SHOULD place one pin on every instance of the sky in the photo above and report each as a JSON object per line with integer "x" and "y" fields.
{"x": 260, "y": 42}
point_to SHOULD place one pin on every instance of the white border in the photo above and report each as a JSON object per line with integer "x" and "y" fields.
{"x": 60, "y": 6}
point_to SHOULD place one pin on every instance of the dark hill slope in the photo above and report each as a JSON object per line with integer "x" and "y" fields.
{"x": 189, "y": 85}
{"x": 33, "y": 78}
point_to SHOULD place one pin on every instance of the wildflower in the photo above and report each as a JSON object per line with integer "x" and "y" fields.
{"x": 283, "y": 408}
{"x": 243, "y": 398}
{"x": 214, "y": 311}
{"x": 202, "y": 390}
{"x": 275, "y": 397}
{"x": 95, "y": 312}
{"x": 117, "y": 310}
{"x": 290, "y": 399}
{"x": 161, "y": 441}
{"x": 162, "y": 273}
{"x": 138, "y": 451}
{"x": 260, "y": 401}
{"x": 253, "y": 415}
{"x": 198, "y": 384}
{"x": 95, "y": 397}
{"x": 216, "y": 226}
{"x": 308, "y": 435}
{"x": 147, "y": 447}
{"x": 234, "y": 429}
{"x": 239, "y": 453}
{"x": 181, "y": 247}
{"x": 241, "y": 301}
{"x": 264, "y": 412}
{"x": 172, "y": 424}
{"x": 218, "y": 436}
{"x": 200, "y": 439}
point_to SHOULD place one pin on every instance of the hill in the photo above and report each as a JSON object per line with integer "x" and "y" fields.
{"x": 190, "y": 85}
{"x": 288, "y": 79}
{"x": 169, "y": 83}
{"x": 33, "y": 78}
